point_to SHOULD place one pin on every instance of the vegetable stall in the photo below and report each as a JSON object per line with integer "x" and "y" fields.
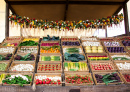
{"x": 64, "y": 55}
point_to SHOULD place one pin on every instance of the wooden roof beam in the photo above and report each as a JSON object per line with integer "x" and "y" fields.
{"x": 64, "y": 2}
{"x": 66, "y": 10}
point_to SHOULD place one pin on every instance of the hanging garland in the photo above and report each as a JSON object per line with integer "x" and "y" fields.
{"x": 70, "y": 25}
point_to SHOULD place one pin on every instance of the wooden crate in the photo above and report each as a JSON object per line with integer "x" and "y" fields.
{"x": 13, "y": 37}
{"x": 80, "y": 60}
{"x": 92, "y": 52}
{"x": 128, "y": 50}
{"x": 31, "y": 37}
{"x": 120, "y": 44}
{"x": 123, "y": 63}
{"x": 2, "y": 44}
{"x": 122, "y": 73}
{"x": 50, "y": 55}
{"x": 122, "y": 37}
{"x": 81, "y": 74}
{"x": 114, "y": 68}
{"x": 50, "y": 62}
{"x": 72, "y": 47}
{"x": 30, "y": 74}
{"x": 95, "y": 54}
{"x": 51, "y": 40}
{"x": 119, "y": 54}
{"x": 77, "y": 70}
{"x": 48, "y": 75}
{"x": 103, "y": 73}
{"x": 19, "y": 52}
{"x": 66, "y": 37}
{"x": 29, "y": 61}
{"x": 7, "y": 60}
{"x": 8, "y": 47}
{"x": 116, "y": 53}
{"x": 6, "y": 69}
{"x": 85, "y": 38}
{"x": 17, "y": 63}
{"x": 100, "y": 44}
{"x": 108, "y": 39}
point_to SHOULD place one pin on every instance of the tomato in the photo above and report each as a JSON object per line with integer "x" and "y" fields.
{"x": 37, "y": 83}
{"x": 40, "y": 81}
{"x": 44, "y": 82}
{"x": 59, "y": 83}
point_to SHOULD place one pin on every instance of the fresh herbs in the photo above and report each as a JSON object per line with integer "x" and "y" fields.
{"x": 29, "y": 43}
{"x": 17, "y": 79}
{"x": 74, "y": 57}
{"x": 5, "y": 57}
{"x": 27, "y": 57}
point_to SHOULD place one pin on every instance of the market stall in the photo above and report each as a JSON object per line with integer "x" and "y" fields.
{"x": 64, "y": 56}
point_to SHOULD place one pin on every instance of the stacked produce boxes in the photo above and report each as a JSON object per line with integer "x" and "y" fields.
{"x": 49, "y": 68}
{"x": 70, "y": 61}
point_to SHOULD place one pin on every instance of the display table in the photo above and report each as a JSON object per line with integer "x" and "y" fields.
{"x": 94, "y": 88}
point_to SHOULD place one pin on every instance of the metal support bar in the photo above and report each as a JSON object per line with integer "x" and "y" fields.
{"x": 126, "y": 19}
{"x": 7, "y": 21}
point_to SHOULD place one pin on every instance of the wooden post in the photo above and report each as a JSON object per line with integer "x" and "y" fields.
{"x": 7, "y": 21}
{"x": 125, "y": 11}
{"x": 106, "y": 31}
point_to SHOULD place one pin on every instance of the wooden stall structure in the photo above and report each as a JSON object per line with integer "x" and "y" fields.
{"x": 71, "y": 10}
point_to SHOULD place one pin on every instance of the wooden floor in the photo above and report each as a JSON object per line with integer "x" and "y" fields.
{"x": 95, "y": 88}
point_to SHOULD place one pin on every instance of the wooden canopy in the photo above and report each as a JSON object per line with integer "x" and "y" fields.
{"x": 66, "y": 9}
{"x": 71, "y": 10}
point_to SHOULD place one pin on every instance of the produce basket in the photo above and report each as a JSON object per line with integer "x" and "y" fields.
{"x": 69, "y": 38}
{"x": 13, "y": 39}
{"x": 6, "y": 49}
{"x": 31, "y": 38}
{"x": 4, "y": 68}
{"x": 49, "y": 67}
{"x": 50, "y": 38}
{"x": 6, "y": 56}
{"x": 18, "y": 56}
{"x": 18, "y": 63}
{"x": 70, "y": 49}
{"x": 48, "y": 75}
{"x": 113, "y": 43}
{"x": 125, "y": 77}
{"x": 48, "y": 58}
{"x": 116, "y": 51}
{"x": 50, "y": 50}
{"x": 85, "y": 38}
{"x": 71, "y": 43}
{"x": 100, "y": 57}
{"x": 73, "y": 77}
{"x": 75, "y": 67}
{"x": 104, "y": 73}
{"x": 119, "y": 55}
{"x": 123, "y": 38}
{"x": 11, "y": 43}
{"x": 122, "y": 67}
{"x": 29, "y": 74}
{"x": 88, "y": 49}
{"x": 102, "y": 67}
{"x": 91, "y": 43}
{"x": 49, "y": 43}
{"x": 76, "y": 56}
{"x": 28, "y": 49}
